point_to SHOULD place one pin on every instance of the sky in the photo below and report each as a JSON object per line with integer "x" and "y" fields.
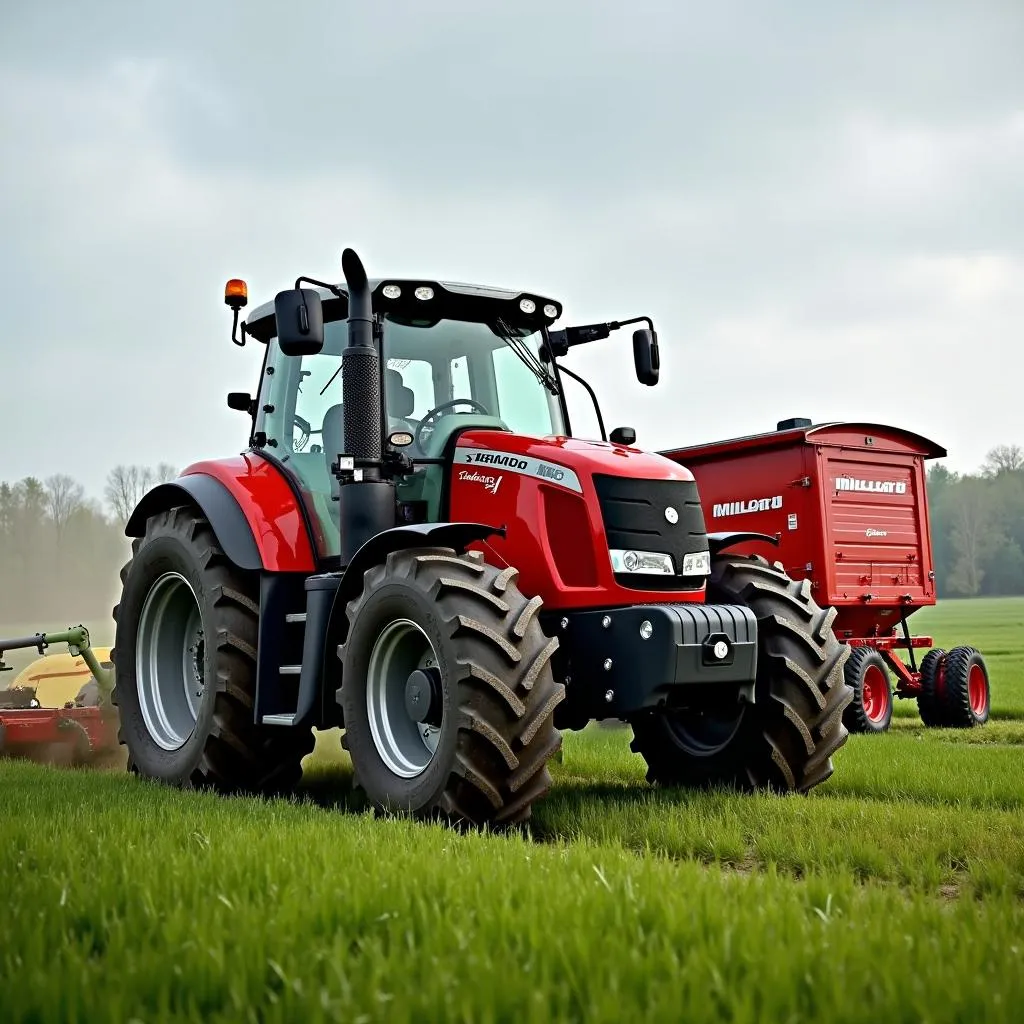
{"x": 820, "y": 205}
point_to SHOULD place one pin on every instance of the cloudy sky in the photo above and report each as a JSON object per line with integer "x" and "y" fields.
{"x": 821, "y": 205}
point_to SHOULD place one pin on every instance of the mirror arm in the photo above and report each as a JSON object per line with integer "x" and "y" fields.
{"x": 593, "y": 397}
{"x": 333, "y": 288}
{"x": 239, "y": 341}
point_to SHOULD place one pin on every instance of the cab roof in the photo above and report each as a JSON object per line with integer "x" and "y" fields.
{"x": 451, "y": 300}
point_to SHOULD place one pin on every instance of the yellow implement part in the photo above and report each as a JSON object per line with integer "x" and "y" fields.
{"x": 57, "y": 678}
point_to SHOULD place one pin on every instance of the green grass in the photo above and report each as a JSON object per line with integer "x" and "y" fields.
{"x": 895, "y": 891}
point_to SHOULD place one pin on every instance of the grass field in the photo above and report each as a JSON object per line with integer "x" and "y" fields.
{"x": 893, "y": 892}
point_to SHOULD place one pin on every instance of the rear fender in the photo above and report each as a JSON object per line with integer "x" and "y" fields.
{"x": 216, "y": 503}
{"x": 254, "y": 512}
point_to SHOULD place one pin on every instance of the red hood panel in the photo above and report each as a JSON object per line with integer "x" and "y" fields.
{"x": 581, "y": 456}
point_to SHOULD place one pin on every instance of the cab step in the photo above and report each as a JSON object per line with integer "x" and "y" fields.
{"x": 278, "y": 720}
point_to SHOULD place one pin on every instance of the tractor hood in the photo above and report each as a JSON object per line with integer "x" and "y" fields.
{"x": 534, "y": 456}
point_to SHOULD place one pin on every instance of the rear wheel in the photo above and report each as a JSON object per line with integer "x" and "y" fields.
{"x": 447, "y": 690}
{"x": 785, "y": 740}
{"x": 966, "y": 696}
{"x": 930, "y": 705}
{"x": 185, "y": 666}
{"x": 867, "y": 675}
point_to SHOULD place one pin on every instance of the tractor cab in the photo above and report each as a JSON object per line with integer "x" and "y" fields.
{"x": 466, "y": 357}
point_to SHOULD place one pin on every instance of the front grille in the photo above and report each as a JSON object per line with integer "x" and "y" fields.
{"x": 634, "y": 518}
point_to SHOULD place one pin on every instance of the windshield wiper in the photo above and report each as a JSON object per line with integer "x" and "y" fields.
{"x": 518, "y": 345}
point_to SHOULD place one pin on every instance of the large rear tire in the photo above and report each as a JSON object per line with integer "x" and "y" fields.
{"x": 966, "y": 696}
{"x": 868, "y": 676}
{"x": 930, "y": 705}
{"x": 447, "y": 690}
{"x": 785, "y": 740}
{"x": 184, "y": 661}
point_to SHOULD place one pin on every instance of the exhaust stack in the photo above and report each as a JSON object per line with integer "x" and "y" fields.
{"x": 367, "y": 501}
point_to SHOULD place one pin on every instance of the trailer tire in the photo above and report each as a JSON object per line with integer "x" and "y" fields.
{"x": 966, "y": 694}
{"x": 453, "y": 638}
{"x": 867, "y": 675}
{"x": 221, "y": 747}
{"x": 930, "y": 705}
{"x": 785, "y": 740}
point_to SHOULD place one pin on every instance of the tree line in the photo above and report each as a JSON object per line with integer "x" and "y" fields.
{"x": 61, "y": 551}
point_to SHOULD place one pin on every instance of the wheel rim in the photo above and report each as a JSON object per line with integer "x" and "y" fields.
{"x": 977, "y": 691}
{"x": 170, "y": 652}
{"x": 405, "y": 745}
{"x": 875, "y": 693}
{"x": 704, "y": 733}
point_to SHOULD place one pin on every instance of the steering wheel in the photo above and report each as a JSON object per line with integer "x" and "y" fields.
{"x": 433, "y": 414}
{"x": 305, "y": 432}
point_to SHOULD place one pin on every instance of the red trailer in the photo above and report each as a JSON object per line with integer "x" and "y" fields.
{"x": 847, "y": 507}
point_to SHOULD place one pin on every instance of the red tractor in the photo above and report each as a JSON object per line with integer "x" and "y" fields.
{"x": 847, "y": 505}
{"x": 415, "y": 548}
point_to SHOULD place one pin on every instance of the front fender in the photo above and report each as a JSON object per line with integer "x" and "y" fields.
{"x": 416, "y": 535}
{"x": 719, "y": 542}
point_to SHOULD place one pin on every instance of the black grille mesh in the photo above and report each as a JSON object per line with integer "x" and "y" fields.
{"x": 634, "y": 518}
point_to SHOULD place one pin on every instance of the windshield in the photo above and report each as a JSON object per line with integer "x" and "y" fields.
{"x": 460, "y": 373}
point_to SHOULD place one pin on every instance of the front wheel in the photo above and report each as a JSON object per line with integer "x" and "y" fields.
{"x": 785, "y": 740}
{"x": 447, "y": 690}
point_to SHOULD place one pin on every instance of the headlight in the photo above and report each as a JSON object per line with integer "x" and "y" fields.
{"x": 650, "y": 563}
{"x": 697, "y": 564}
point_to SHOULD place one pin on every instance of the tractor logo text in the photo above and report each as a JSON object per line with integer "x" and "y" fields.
{"x": 740, "y": 508}
{"x": 491, "y": 483}
{"x": 869, "y": 532}
{"x": 523, "y": 465}
{"x": 493, "y": 459}
{"x": 845, "y": 483}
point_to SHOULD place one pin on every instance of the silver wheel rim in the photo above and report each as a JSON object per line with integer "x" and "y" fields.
{"x": 405, "y": 746}
{"x": 169, "y": 661}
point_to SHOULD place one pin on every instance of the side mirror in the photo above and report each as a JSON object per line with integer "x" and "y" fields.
{"x": 645, "y": 356}
{"x": 623, "y": 435}
{"x": 241, "y": 401}
{"x": 300, "y": 322}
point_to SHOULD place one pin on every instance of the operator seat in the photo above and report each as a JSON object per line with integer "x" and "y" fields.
{"x": 399, "y": 399}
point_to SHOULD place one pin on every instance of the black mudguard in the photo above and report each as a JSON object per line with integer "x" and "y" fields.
{"x": 719, "y": 542}
{"x": 216, "y": 502}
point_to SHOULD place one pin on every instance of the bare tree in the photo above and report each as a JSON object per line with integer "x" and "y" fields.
{"x": 64, "y": 497}
{"x": 125, "y": 487}
{"x": 165, "y": 473}
{"x": 1004, "y": 458}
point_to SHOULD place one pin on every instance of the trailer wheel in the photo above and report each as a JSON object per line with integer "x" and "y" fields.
{"x": 447, "y": 690}
{"x": 930, "y": 704}
{"x": 185, "y": 666}
{"x": 867, "y": 675}
{"x": 785, "y": 740}
{"x": 966, "y": 694}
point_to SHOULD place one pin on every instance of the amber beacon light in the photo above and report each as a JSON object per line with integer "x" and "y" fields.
{"x": 236, "y": 293}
